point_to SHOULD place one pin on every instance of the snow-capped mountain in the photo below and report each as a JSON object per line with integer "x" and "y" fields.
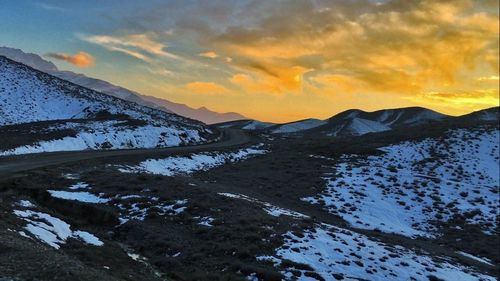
{"x": 202, "y": 114}
{"x": 28, "y": 95}
{"x": 352, "y": 122}
{"x": 358, "y": 122}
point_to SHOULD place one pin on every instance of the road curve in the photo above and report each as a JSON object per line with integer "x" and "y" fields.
{"x": 10, "y": 165}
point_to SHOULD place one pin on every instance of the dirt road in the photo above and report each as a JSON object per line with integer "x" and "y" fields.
{"x": 10, "y": 165}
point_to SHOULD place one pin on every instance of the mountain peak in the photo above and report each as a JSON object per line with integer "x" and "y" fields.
{"x": 29, "y": 59}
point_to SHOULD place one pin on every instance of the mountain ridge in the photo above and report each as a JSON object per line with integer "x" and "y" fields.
{"x": 202, "y": 114}
{"x": 354, "y": 122}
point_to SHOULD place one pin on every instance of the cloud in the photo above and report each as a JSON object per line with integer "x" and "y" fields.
{"x": 210, "y": 54}
{"x": 50, "y": 7}
{"x": 309, "y": 52}
{"x": 493, "y": 78}
{"x": 460, "y": 100}
{"x": 251, "y": 84}
{"x": 80, "y": 59}
{"x": 392, "y": 46}
{"x": 140, "y": 46}
{"x": 206, "y": 88}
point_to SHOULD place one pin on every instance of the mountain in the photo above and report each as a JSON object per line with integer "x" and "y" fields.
{"x": 29, "y": 59}
{"x": 359, "y": 122}
{"x": 353, "y": 122}
{"x": 82, "y": 118}
{"x": 202, "y": 114}
{"x": 250, "y": 125}
{"x": 489, "y": 114}
{"x": 297, "y": 126}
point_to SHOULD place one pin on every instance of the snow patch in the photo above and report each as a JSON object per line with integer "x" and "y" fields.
{"x": 268, "y": 208}
{"x": 195, "y": 162}
{"x": 53, "y": 231}
{"x": 80, "y": 196}
{"x": 339, "y": 253}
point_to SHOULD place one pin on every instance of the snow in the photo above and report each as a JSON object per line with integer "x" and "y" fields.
{"x": 87, "y": 238}
{"x": 482, "y": 260}
{"x": 361, "y": 126}
{"x": 27, "y": 95}
{"x": 408, "y": 186}
{"x": 299, "y": 126}
{"x": 131, "y": 196}
{"x": 195, "y": 162}
{"x": 26, "y": 204}
{"x": 80, "y": 185}
{"x": 138, "y": 208}
{"x": 267, "y": 207}
{"x": 53, "y": 231}
{"x": 335, "y": 252}
{"x": 80, "y": 196}
{"x": 257, "y": 125}
{"x": 206, "y": 221}
{"x": 110, "y": 135}
{"x": 70, "y": 176}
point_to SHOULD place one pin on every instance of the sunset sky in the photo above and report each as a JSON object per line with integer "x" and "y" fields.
{"x": 273, "y": 60}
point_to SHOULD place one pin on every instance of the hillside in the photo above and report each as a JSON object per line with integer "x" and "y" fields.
{"x": 28, "y": 95}
{"x": 202, "y": 114}
{"x": 416, "y": 203}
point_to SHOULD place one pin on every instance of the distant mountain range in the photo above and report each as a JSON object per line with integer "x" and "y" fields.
{"x": 357, "y": 122}
{"x": 202, "y": 114}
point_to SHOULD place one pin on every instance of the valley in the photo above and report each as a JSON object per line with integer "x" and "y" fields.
{"x": 94, "y": 187}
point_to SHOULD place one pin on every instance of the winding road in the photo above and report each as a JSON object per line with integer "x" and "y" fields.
{"x": 10, "y": 165}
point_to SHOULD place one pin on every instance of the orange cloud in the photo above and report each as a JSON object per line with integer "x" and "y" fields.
{"x": 458, "y": 102}
{"x": 206, "y": 88}
{"x": 391, "y": 47}
{"x": 210, "y": 55}
{"x": 252, "y": 85}
{"x": 80, "y": 59}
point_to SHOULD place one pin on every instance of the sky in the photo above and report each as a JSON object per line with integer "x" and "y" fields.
{"x": 278, "y": 60}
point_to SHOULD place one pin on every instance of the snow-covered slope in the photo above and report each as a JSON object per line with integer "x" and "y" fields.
{"x": 414, "y": 186}
{"x": 28, "y": 95}
{"x": 106, "y": 134}
{"x": 202, "y": 114}
{"x": 195, "y": 162}
{"x": 298, "y": 126}
{"x": 360, "y": 126}
{"x": 338, "y": 254}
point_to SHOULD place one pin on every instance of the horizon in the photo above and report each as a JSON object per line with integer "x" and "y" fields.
{"x": 274, "y": 62}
